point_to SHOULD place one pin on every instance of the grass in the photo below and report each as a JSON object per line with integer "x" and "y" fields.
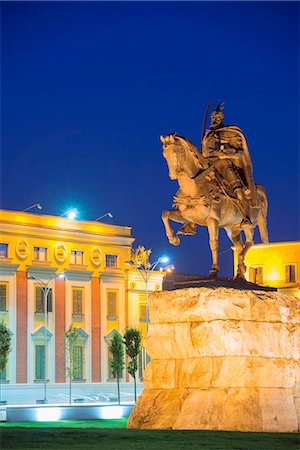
{"x": 110, "y": 434}
{"x": 101, "y": 423}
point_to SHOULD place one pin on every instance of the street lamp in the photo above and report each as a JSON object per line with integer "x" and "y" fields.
{"x": 71, "y": 214}
{"x": 140, "y": 261}
{"x": 109, "y": 214}
{"x": 36, "y": 205}
{"x": 45, "y": 288}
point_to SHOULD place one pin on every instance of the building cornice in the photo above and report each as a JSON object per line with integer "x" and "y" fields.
{"x": 41, "y": 272}
{"x": 66, "y": 235}
{"x": 8, "y": 269}
{"x": 78, "y": 275}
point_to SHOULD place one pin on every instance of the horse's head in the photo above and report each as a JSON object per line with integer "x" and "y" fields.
{"x": 181, "y": 156}
{"x": 173, "y": 153}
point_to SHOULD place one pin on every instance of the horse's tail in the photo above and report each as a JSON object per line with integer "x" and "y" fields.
{"x": 262, "y": 219}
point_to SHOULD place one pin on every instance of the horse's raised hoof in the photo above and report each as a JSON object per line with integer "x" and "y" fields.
{"x": 174, "y": 240}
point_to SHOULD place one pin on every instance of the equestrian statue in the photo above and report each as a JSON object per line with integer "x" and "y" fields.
{"x": 216, "y": 188}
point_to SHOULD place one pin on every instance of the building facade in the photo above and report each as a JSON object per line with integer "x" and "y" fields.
{"x": 276, "y": 265}
{"x": 83, "y": 265}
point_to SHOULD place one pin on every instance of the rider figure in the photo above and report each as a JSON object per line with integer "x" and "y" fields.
{"x": 226, "y": 150}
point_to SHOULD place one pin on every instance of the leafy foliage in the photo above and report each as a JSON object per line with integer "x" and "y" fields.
{"x": 132, "y": 339}
{"x": 116, "y": 354}
{"x": 5, "y": 345}
{"x": 116, "y": 358}
{"x": 140, "y": 257}
{"x": 71, "y": 336}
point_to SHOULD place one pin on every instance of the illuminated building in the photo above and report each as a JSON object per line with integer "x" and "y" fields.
{"x": 98, "y": 293}
{"x": 276, "y": 265}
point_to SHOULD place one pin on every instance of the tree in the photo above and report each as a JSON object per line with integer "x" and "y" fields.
{"x": 116, "y": 357}
{"x": 132, "y": 339}
{"x": 5, "y": 348}
{"x": 71, "y": 336}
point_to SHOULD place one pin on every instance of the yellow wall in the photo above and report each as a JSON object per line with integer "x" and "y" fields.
{"x": 50, "y": 231}
{"x": 273, "y": 258}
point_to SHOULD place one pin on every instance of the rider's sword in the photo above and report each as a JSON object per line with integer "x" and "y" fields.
{"x": 204, "y": 124}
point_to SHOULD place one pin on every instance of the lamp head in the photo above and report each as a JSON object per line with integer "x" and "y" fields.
{"x": 72, "y": 214}
{"x": 164, "y": 259}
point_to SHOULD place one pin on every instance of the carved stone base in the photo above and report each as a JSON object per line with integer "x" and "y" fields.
{"x": 221, "y": 359}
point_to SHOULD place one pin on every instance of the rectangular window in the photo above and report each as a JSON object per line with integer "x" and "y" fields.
{"x": 78, "y": 362}
{"x": 112, "y": 311}
{"x": 290, "y": 273}
{"x": 76, "y": 257}
{"x": 142, "y": 307}
{"x": 256, "y": 275}
{"x": 77, "y": 294}
{"x": 3, "y": 296}
{"x": 111, "y": 261}
{"x": 40, "y": 362}
{"x": 40, "y": 253}
{"x": 3, "y": 250}
{"x": 39, "y": 300}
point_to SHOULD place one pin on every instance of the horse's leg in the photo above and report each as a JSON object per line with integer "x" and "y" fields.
{"x": 213, "y": 230}
{"x": 236, "y": 238}
{"x": 176, "y": 216}
{"x": 249, "y": 232}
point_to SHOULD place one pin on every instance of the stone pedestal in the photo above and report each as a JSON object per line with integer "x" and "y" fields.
{"x": 221, "y": 359}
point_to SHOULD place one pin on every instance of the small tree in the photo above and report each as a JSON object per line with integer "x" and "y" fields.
{"x": 71, "y": 336}
{"x": 132, "y": 339}
{"x": 5, "y": 348}
{"x": 116, "y": 358}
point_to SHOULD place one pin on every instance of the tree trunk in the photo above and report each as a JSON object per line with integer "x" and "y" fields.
{"x": 134, "y": 381}
{"x": 70, "y": 390}
{"x": 118, "y": 384}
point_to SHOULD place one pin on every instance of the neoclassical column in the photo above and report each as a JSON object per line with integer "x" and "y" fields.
{"x": 60, "y": 325}
{"x": 96, "y": 329}
{"x": 21, "y": 326}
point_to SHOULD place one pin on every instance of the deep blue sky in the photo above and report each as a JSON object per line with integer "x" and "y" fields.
{"x": 87, "y": 88}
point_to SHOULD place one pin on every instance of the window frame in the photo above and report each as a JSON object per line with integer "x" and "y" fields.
{"x": 76, "y": 253}
{"x": 80, "y": 289}
{"x": 110, "y": 266}
{"x": 49, "y": 300}
{"x": 295, "y": 273}
{"x": 256, "y": 267}
{"x": 115, "y": 316}
{"x": 43, "y": 368}
{"x": 142, "y": 304}
{"x": 81, "y": 366}
{"x": 6, "y": 245}
{"x": 4, "y": 283}
{"x": 38, "y": 252}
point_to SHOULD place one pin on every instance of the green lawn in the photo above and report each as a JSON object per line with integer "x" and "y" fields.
{"x": 96, "y": 434}
{"x": 100, "y": 423}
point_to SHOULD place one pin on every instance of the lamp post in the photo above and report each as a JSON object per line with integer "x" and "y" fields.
{"x": 45, "y": 288}
{"x": 36, "y": 205}
{"x": 109, "y": 214}
{"x": 140, "y": 261}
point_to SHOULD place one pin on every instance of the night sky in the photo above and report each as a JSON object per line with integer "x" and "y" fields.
{"x": 87, "y": 88}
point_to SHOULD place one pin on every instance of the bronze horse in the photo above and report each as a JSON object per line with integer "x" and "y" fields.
{"x": 199, "y": 201}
